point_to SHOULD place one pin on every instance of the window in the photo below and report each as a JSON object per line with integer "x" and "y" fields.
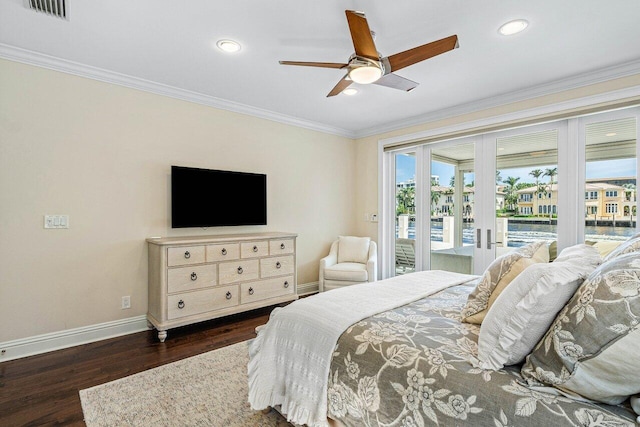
{"x": 591, "y": 195}
{"x": 600, "y": 151}
{"x": 610, "y": 176}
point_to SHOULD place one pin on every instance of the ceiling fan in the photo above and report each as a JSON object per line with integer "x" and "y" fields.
{"x": 367, "y": 66}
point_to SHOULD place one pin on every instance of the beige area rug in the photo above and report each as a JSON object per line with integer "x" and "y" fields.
{"x": 205, "y": 390}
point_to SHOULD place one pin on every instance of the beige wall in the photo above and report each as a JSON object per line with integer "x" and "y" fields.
{"x": 102, "y": 153}
{"x": 367, "y": 148}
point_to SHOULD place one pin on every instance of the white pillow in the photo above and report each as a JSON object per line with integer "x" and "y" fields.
{"x": 353, "y": 249}
{"x": 523, "y": 312}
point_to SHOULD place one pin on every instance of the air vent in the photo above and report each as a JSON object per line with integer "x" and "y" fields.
{"x": 56, "y": 8}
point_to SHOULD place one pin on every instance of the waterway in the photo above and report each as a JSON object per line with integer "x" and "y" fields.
{"x": 522, "y": 234}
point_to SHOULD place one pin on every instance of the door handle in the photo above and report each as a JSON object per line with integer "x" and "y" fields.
{"x": 479, "y": 238}
{"x": 489, "y": 242}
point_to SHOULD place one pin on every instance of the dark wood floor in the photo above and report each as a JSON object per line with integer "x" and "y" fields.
{"x": 43, "y": 389}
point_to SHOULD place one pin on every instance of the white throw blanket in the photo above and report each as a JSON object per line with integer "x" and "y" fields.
{"x": 291, "y": 356}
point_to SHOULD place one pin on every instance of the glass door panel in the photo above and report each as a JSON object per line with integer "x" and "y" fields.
{"x": 452, "y": 207}
{"x": 526, "y": 189}
{"x": 610, "y": 185}
{"x": 405, "y": 212}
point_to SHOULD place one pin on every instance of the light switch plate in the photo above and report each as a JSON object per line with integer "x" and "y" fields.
{"x": 56, "y": 221}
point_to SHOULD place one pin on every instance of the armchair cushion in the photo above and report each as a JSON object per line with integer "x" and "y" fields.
{"x": 353, "y": 249}
{"x": 347, "y": 271}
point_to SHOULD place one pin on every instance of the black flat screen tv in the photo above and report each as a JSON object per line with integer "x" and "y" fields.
{"x": 216, "y": 198}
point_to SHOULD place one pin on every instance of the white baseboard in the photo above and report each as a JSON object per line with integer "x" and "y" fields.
{"x": 30, "y": 346}
{"x": 308, "y": 288}
{"x": 10, "y": 350}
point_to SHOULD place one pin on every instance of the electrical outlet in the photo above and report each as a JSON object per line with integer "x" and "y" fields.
{"x": 126, "y": 302}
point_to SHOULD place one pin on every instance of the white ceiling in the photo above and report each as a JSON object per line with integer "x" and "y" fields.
{"x": 167, "y": 47}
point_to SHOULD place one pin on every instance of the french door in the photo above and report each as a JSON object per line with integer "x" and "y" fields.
{"x": 478, "y": 197}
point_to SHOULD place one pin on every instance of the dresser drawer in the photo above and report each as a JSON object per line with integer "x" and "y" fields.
{"x": 280, "y": 247}
{"x": 266, "y": 289}
{"x": 254, "y": 249}
{"x": 277, "y": 266}
{"x": 185, "y": 255}
{"x": 223, "y": 252}
{"x": 188, "y": 278}
{"x": 238, "y": 271}
{"x": 190, "y": 303}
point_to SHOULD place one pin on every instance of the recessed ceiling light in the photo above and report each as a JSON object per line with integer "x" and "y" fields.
{"x": 350, "y": 91}
{"x": 513, "y": 27}
{"x": 228, "y": 45}
{"x": 610, "y": 134}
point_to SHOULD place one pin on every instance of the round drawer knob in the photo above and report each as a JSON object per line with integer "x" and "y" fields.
{"x": 286, "y": 284}
{"x": 250, "y": 291}
{"x": 194, "y": 276}
{"x": 180, "y": 304}
{"x": 228, "y": 295}
{"x": 187, "y": 255}
{"x": 224, "y": 251}
{"x": 240, "y": 270}
{"x": 281, "y": 245}
{"x": 255, "y": 249}
{"x": 278, "y": 265}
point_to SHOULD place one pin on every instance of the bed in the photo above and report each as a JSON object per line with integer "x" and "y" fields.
{"x": 367, "y": 356}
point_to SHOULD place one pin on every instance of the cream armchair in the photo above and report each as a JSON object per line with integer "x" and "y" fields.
{"x": 351, "y": 260}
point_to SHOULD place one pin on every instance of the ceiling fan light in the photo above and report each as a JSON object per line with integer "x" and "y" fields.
{"x": 350, "y": 91}
{"x": 365, "y": 75}
{"x": 229, "y": 46}
{"x": 513, "y": 27}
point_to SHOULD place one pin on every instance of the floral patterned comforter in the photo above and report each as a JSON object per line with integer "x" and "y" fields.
{"x": 411, "y": 367}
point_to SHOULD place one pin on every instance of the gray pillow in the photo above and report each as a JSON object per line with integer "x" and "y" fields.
{"x": 593, "y": 346}
{"x": 524, "y": 311}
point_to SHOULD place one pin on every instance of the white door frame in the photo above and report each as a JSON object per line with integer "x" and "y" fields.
{"x": 570, "y": 166}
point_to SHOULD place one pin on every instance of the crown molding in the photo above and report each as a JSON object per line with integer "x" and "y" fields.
{"x": 580, "y": 80}
{"x": 556, "y": 86}
{"x": 50, "y": 62}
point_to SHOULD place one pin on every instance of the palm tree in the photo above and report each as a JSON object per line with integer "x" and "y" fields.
{"x": 537, "y": 173}
{"x": 435, "y": 197}
{"x": 550, "y": 172}
{"x": 512, "y": 197}
{"x": 406, "y": 200}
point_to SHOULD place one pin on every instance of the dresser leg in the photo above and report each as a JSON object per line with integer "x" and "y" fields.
{"x": 162, "y": 335}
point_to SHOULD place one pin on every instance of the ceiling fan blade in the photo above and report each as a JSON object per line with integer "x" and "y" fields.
{"x": 361, "y": 35}
{"x": 396, "y": 82}
{"x": 342, "y": 85}
{"x": 315, "y": 64}
{"x": 420, "y": 53}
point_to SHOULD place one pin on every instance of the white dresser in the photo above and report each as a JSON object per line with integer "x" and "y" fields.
{"x": 198, "y": 278}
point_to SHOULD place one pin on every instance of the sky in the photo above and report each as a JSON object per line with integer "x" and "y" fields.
{"x": 405, "y": 170}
